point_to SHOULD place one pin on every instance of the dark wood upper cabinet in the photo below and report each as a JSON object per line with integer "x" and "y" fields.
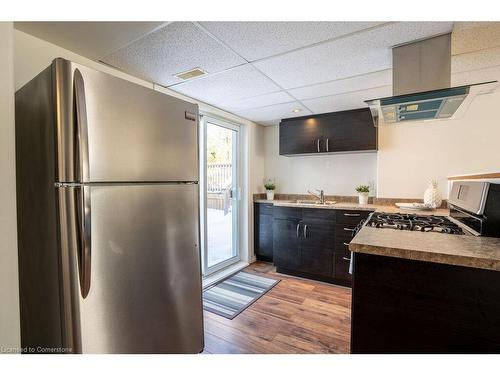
{"x": 345, "y": 131}
{"x": 300, "y": 136}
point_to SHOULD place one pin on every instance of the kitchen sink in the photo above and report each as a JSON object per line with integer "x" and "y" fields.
{"x": 316, "y": 203}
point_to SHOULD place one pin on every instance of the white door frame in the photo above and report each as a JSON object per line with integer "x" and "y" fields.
{"x": 236, "y": 193}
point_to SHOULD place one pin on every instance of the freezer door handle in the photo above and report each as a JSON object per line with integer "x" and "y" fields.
{"x": 85, "y": 253}
{"x": 82, "y": 145}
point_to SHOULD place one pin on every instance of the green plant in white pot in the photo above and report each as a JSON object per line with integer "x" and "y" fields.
{"x": 270, "y": 187}
{"x": 363, "y": 191}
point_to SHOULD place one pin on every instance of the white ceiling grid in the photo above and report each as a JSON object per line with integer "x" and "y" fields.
{"x": 264, "y": 70}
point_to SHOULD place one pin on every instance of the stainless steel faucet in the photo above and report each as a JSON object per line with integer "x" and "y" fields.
{"x": 321, "y": 195}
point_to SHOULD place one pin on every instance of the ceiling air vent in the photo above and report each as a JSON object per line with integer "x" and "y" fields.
{"x": 196, "y": 72}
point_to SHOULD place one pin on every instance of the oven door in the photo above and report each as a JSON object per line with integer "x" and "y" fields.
{"x": 469, "y": 222}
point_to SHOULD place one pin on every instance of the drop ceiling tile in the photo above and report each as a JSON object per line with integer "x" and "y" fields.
{"x": 346, "y": 101}
{"x": 257, "y": 101}
{"x": 365, "y": 81}
{"x": 90, "y": 39}
{"x": 231, "y": 85}
{"x": 474, "y": 36}
{"x": 476, "y": 76}
{"x": 175, "y": 48}
{"x": 256, "y": 40}
{"x": 274, "y": 113}
{"x": 475, "y": 60}
{"x": 356, "y": 54}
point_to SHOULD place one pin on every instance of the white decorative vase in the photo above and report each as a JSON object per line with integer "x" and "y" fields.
{"x": 432, "y": 196}
{"x": 363, "y": 198}
{"x": 270, "y": 195}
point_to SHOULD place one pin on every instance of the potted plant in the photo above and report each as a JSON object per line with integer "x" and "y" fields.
{"x": 363, "y": 191}
{"x": 270, "y": 187}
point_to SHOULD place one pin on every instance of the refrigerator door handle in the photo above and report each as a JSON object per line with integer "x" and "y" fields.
{"x": 85, "y": 255}
{"x": 82, "y": 129}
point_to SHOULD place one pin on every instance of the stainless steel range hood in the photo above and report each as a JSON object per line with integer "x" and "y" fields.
{"x": 421, "y": 85}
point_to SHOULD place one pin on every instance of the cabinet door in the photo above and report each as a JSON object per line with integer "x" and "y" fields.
{"x": 263, "y": 231}
{"x": 300, "y": 136}
{"x": 349, "y": 131}
{"x": 286, "y": 243}
{"x": 265, "y": 242}
{"x": 316, "y": 247}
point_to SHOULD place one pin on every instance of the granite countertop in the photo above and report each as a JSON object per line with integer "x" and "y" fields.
{"x": 459, "y": 250}
{"x": 353, "y": 206}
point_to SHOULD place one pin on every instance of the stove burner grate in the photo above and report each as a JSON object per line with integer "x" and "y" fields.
{"x": 413, "y": 222}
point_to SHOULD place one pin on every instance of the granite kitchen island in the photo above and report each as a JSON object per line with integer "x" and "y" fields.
{"x": 416, "y": 292}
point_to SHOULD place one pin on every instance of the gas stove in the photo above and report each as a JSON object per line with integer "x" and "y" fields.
{"x": 413, "y": 222}
{"x": 474, "y": 210}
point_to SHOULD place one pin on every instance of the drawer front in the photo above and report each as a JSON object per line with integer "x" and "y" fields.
{"x": 287, "y": 213}
{"x": 344, "y": 232}
{"x": 342, "y": 245}
{"x": 265, "y": 208}
{"x": 323, "y": 214}
{"x": 351, "y": 217}
{"x": 342, "y": 261}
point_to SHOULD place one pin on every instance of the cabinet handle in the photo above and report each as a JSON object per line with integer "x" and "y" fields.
{"x": 305, "y": 231}
{"x": 327, "y": 143}
{"x": 346, "y": 244}
{"x": 354, "y": 215}
{"x": 297, "y": 232}
{"x": 349, "y": 229}
{"x": 348, "y": 259}
{"x": 317, "y": 144}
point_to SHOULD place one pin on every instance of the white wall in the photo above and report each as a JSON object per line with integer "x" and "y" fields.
{"x": 410, "y": 154}
{"x": 9, "y": 285}
{"x": 32, "y": 55}
{"x": 335, "y": 174}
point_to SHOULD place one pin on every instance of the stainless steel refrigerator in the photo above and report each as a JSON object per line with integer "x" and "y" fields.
{"x": 108, "y": 225}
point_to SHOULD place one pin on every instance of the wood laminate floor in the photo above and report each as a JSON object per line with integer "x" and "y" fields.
{"x": 296, "y": 316}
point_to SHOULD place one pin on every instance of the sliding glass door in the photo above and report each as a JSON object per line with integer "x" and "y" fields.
{"x": 220, "y": 192}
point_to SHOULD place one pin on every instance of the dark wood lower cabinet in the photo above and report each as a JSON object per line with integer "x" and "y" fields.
{"x": 286, "y": 243}
{"x": 341, "y": 264}
{"x": 306, "y": 242}
{"x": 409, "y": 306}
{"x": 263, "y": 231}
{"x": 316, "y": 247}
{"x": 308, "y": 235}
